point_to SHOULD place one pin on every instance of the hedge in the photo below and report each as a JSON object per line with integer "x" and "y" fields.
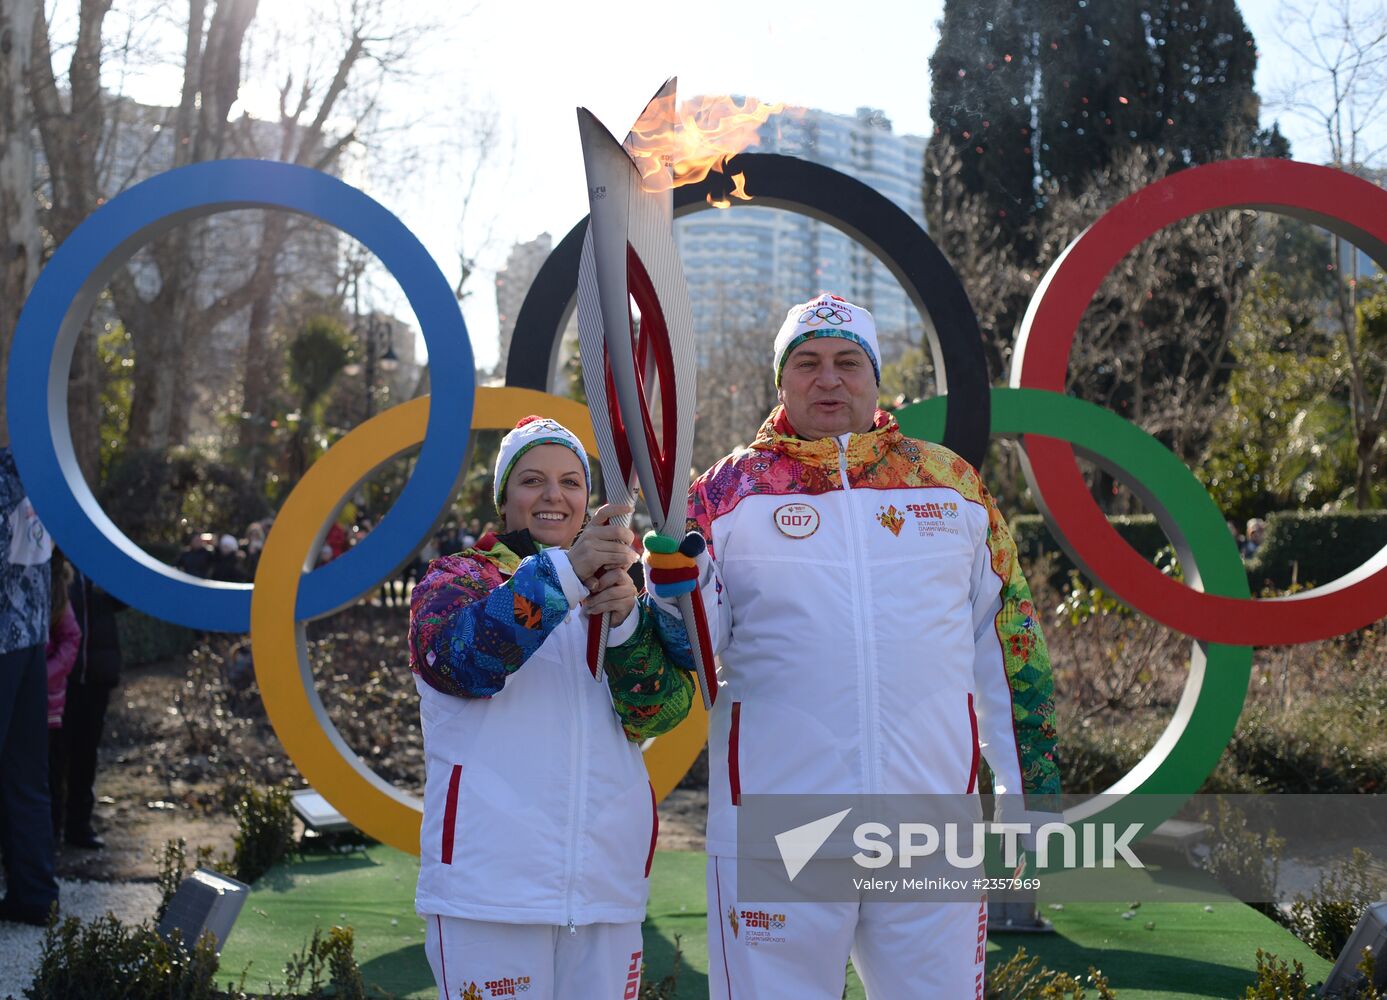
{"x": 144, "y": 639}
{"x": 1033, "y": 541}
{"x": 1305, "y": 547}
{"x": 1309, "y": 547}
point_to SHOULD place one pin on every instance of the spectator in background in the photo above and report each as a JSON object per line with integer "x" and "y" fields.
{"x": 64, "y": 638}
{"x": 1256, "y": 532}
{"x": 196, "y": 559}
{"x": 255, "y": 543}
{"x": 449, "y": 540}
{"x": 228, "y": 563}
{"x": 89, "y": 686}
{"x": 337, "y": 540}
{"x": 26, "y": 821}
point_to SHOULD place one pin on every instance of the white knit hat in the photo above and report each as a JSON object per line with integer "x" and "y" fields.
{"x": 827, "y": 316}
{"x": 530, "y": 431}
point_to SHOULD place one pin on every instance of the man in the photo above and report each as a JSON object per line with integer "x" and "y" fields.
{"x": 26, "y": 822}
{"x": 875, "y": 635}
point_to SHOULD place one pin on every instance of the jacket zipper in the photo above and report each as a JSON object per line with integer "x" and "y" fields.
{"x": 861, "y": 614}
{"x": 576, "y": 810}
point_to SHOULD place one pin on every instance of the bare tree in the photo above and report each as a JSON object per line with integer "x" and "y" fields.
{"x": 1340, "y": 87}
{"x": 737, "y": 390}
{"x": 18, "y": 213}
{"x": 366, "y": 49}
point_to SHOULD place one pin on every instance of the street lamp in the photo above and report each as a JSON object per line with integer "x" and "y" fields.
{"x": 388, "y": 361}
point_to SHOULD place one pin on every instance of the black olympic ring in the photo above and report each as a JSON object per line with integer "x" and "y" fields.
{"x": 847, "y": 204}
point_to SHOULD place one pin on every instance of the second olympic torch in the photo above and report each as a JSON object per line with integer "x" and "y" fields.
{"x": 639, "y": 377}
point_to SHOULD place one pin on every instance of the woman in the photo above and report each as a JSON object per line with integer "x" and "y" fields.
{"x": 539, "y": 821}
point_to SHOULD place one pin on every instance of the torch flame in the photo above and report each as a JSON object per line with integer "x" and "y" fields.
{"x": 674, "y": 147}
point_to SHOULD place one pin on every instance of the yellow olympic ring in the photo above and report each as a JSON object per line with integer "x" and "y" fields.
{"x": 297, "y": 714}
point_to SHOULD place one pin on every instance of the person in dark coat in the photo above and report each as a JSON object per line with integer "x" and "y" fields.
{"x": 26, "y": 828}
{"x": 89, "y": 686}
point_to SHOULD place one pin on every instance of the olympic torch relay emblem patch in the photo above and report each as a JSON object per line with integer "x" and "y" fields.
{"x": 732, "y": 920}
{"x": 891, "y": 519}
{"x": 796, "y": 520}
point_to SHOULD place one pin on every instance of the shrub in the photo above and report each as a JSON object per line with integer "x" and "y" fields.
{"x": 264, "y": 831}
{"x": 1023, "y": 978}
{"x": 1243, "y": 861}
{"x": 1327, "y": 916}
{"x": 145, "y": 640}
{"x": 1301, "y": 547}
{"x": 326, "y": 962}
{"x": 174, "y": 868}
{"x": 1335, "y": 742}
{"x": 1313, "y": 547}
{"x": 106, "y": 960}
{"x": 1034, "y": 541}
{"x": 158, "y": 498}
{"x": 1277, "y": 981}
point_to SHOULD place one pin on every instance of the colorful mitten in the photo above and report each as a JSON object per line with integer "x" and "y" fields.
{"x": 672, "y": 568}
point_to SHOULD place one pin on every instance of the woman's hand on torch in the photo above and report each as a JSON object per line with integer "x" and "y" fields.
{"x": 613, "y": 591}
{"x": 602, "y": 545}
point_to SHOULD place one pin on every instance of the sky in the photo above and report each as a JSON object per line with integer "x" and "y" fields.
{"x": 531, "y": 63}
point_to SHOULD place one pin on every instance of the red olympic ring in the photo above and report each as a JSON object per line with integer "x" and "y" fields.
{"x": 1318, "y": 195}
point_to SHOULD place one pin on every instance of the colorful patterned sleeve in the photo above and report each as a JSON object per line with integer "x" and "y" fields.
{"x": 470, "y": 628}
{"x": 1016, "y": 693}
{"x": 649, "y": 674}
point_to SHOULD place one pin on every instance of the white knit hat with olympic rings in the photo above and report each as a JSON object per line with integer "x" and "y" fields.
{"x": 827, "y": 316}
{"x": 530, "y": 431}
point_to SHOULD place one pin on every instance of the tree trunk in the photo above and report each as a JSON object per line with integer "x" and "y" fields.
{"x": 19, "y": 228}
{"x": 258, "y": 387}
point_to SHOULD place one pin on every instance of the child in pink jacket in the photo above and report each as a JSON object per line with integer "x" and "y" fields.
{"x": 64, "y": 639}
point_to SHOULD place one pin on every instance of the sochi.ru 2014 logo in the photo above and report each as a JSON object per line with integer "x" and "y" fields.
{"x": 760, "y": 926}
{"x": 507, "y": 986}
{"x": 891, "y": 519}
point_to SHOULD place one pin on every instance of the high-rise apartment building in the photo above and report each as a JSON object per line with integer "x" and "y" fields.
{"x": 748, "y": 264}
{"x": 512, "y": 285}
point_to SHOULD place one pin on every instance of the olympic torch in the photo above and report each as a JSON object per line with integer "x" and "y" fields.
{"x": 633, "y": 372}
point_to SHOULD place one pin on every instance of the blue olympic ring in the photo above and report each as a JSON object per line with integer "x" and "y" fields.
{"x": 60, "y": 302}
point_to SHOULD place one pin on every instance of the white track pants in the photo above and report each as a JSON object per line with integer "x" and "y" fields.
{"x": 799, "y": 951}
{"x": 477, "y": 960}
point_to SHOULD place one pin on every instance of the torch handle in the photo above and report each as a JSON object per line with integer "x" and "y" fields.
{"x": 600, "y": 625}
{"x": 700, "y": 644}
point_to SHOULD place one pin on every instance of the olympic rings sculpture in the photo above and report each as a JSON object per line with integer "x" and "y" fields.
{"x": 1213, "y": 606}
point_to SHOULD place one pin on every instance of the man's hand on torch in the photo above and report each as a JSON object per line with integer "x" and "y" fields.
{"x": 674, "y": 567}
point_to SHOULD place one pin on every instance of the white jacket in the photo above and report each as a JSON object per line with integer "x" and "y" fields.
{"x": 537, "y": 806}
{"x": 874, "y": 631}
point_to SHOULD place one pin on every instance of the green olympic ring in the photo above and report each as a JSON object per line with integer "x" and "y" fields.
{"x": 1207, "y": 715}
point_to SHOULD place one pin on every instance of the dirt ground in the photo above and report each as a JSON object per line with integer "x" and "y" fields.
{"x": 179, "y": 737}
{"x": 140, "y": 803}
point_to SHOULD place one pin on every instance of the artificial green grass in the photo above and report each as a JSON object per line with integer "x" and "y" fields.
{"x": 1189, "y": 954}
